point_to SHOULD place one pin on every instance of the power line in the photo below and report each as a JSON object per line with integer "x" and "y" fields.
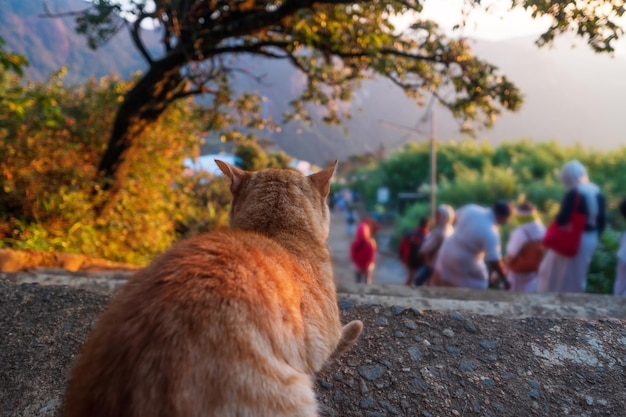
{"x": 430, "y": 111}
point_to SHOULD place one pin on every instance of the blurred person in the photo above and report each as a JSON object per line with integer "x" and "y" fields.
{"x": 351, "y": 221}
{"x": 524, "y": 250}
{"x": 373, "y": 224}
{"x": 444, "y": 219}
{"x": 363, "y": 253}
{"x": 331, "y": 201}
{"x": 469, "y": 254}
{"x": 559, "y": 273}
{"x": 619, "y": 287}
{"x": 410, "y": 246}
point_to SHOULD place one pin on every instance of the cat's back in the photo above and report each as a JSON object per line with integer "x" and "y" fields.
{"x": 230, "y": 323}
{"x": 199, "y": 319}
{"x": 233, "y": 265}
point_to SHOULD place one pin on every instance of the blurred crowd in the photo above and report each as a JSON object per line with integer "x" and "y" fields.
{"x": 462, "y": 247}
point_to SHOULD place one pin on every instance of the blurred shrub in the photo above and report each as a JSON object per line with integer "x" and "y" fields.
{"x": 49, "y": 151}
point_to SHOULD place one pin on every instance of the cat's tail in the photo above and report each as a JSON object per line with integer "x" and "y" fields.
{"x": 349, "y": 334}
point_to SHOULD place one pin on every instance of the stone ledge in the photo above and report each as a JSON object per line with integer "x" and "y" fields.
{"x": 408, "y": 362}
{"x": 491, "y": 302}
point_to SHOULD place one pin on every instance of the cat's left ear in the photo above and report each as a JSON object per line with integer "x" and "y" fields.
{"x": 235, "y": 174}
{"x": 321, "y": 179}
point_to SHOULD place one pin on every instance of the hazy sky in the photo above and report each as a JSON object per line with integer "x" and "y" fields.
{"x": 551, "y": 110}
{"x": 498, "y": 24}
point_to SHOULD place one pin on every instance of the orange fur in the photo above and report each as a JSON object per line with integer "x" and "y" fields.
{"x": 230, "y": 323}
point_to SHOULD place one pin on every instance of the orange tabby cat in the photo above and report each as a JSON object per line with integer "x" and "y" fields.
{"x": 230, "y": 323}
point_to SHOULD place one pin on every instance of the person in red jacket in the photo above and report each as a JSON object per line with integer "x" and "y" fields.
{"x": 363, "y": 253}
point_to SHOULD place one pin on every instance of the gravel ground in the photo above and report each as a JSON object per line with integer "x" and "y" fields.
{"x": 428, "y": 363}
{"x": 42, "y": 328}
{"x": 407, "y": 363}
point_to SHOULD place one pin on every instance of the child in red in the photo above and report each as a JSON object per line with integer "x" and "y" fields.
{"x": 363, "y": 253}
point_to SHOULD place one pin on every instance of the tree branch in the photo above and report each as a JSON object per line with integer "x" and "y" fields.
{"x": 240, "y": 25}
{"x": 48, "y": 13}
{"x": 134, "y": 33}
{"x": 404, "y": 85}
{"x": 188, "y": 93}
{"x": 256, "y": 48}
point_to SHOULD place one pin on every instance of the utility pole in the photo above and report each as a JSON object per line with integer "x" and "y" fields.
{"x": 433, "y": 166}
{"x": 430, "y": 111}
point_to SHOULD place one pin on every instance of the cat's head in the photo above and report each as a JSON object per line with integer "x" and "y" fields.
{"x": 273, "y": 201}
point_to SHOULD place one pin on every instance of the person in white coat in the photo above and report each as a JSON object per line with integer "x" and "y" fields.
{"x": 468, "y": 255}
{"x": 558, "y": 273}
{"x": 530, "y": 231}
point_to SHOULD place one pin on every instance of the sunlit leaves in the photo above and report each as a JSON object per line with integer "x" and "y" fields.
{"x": 336, "y": 44}
{"x": 11, "y": 62}
{"x": 13, "y": 102}
{"x": 595, "y": 20}
{"x": 48, "y": 160}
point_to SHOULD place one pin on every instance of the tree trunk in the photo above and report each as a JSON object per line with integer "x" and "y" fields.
{"x": 142, "y": 105}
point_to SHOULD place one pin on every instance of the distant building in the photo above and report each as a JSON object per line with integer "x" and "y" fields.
{"x": 302, "y": 166}
{"x": 207, "y": 163}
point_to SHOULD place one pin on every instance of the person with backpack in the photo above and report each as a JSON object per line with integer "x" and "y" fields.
{"x": 410, "y": 246}
{"x": 524, "y": 250}
{"x": 584, "y": 201}
{"x": 363, "y": 253}
{"x": 444, "y": 220}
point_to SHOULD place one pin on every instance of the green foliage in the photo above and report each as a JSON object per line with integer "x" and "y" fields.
{"x": 99, "y": 23}
{"x": 367, "y": 181}
{"x": 475, "y": 172}
{"x": 203, "y": 203}
{"x": 480, "y": 187}
{"x": 12, "y": 102}
{"x": 604, "y": 263}
{"x": 278, "y": 160}
{"x": 11, "y": 62}
{"x": 596, "y": 21}
{"x": 48, "y": 158}
{"x": 406, "y": 171}
{"x": 252, "y": 156}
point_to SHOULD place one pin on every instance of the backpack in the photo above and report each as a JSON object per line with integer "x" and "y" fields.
{"x": 414, "y": 241}
{"x": 528, "y": 258}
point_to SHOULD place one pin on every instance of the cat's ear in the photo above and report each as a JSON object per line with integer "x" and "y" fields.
{"x": 235, "y": 174}
{"x": 321, "y": 179}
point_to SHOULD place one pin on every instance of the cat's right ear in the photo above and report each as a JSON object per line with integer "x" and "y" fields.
{"x": 322, "y": 178}
{"x": 235, "y": 174}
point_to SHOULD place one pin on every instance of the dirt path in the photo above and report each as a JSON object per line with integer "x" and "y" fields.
{"x": 388, "y": 269}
